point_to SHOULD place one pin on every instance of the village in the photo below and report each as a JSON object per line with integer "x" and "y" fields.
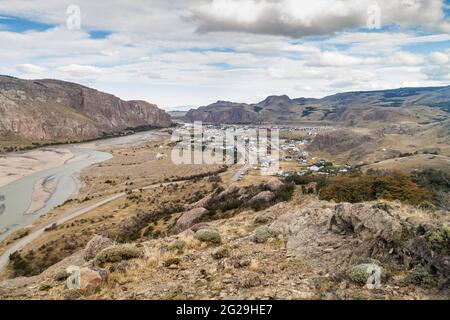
{"x": 269, "y": 150}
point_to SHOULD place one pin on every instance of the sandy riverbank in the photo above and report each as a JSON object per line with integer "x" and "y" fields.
{"x": 15, "y": 166}
{"x": 43, "y": 190}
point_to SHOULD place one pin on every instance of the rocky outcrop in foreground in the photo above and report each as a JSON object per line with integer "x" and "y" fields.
{"x": 314, "y": 250}
{"x": 50, "y": 110}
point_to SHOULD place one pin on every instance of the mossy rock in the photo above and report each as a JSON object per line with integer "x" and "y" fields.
{"x": 361, "y": 273}
{"x": 208, "y": 235}
{"x": 118, "y": 253}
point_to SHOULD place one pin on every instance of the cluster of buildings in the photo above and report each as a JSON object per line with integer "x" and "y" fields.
{"x": 246, "y": 148}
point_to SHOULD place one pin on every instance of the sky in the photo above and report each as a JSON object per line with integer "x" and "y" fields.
{"x": 194, "y": 52}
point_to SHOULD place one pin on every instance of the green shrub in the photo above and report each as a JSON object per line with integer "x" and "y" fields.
{"x": 370, "y": 187}
{"x": 439, "y": 239}
{"x": 421, "y": 277}
{"x": 208, "y": 235}
{"x": 118, "y": 253}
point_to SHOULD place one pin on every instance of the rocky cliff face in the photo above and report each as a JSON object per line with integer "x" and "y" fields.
{"x": 48, "y": 110}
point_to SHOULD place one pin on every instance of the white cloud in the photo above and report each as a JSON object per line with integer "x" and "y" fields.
{"x": 439, "y": 58}
{"x": 80, "y": 71}
{"x": 299, "y": 18}
{"x": 154, "y": 52}
{"x": 405, "y": 58}
{"x": 31, "y": 69}
{"x": 337, "y": 59}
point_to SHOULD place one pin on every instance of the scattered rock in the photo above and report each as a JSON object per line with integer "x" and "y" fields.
{"x": 270, "y": 214}
{"x": 124, "y": 266}
{"x": 241, "y": 262}
{"x": 187, "y": 234}
{"x": 171, "y": 261}
{"x": 61, "y": 275}
{"x": 201, "y": 203}
{"x": 189, "y": 218}
{"x": 118, "y": 253}
{"x": 366, "y": 221}
{"x": 90, "y": 280}
{"x": 231, "y": 190}
{"x": 208, "y": 235}
{"x": 262, "y": 197}
{"x": 274, "y": 184}
{"x": 251, "y": 280}
{"x": 95, "y": 245}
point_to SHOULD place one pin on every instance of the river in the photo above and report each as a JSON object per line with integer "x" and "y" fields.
{"x": 16, "y": 197}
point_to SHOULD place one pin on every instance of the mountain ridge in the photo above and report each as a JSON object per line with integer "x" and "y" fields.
{"x": 329, "y": 108}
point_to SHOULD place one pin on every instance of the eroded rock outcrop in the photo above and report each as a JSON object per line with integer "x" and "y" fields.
{"x": 189, "y": 218}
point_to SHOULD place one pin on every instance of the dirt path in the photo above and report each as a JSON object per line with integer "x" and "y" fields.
{"x": 69, "y": 215}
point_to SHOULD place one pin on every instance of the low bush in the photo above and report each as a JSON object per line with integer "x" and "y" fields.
{"x": 118, "y": 253}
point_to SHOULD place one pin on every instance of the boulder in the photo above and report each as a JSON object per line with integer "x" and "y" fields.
{"x": 365, "y": 221}
{"x": 200, "y": 203}
{"x": 274, "y": 184}
{"x": 84, "y": 279}
{"x": 208, "y": 235}
{"x": 189, "y": 218}
{"x": 230, "y": 191}
{"x": 61, "y": 275}
{"x": 90, "y": 280}
{"x": 95, "y": 245}
{"x": 262, "y": 197}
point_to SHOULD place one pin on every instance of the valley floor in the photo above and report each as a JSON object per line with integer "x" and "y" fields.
{"x": 297, "y": 249}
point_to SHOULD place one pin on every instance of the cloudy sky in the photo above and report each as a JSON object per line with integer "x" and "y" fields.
{"x": 194, "y": 52}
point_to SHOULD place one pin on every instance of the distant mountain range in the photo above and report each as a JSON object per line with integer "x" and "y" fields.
{"x": 45, "y": 111}
{"x": 349, "y": 108}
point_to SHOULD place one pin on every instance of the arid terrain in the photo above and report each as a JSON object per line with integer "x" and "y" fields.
{"x": 191, "y": 232}
{"x": 358, "y": 209}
